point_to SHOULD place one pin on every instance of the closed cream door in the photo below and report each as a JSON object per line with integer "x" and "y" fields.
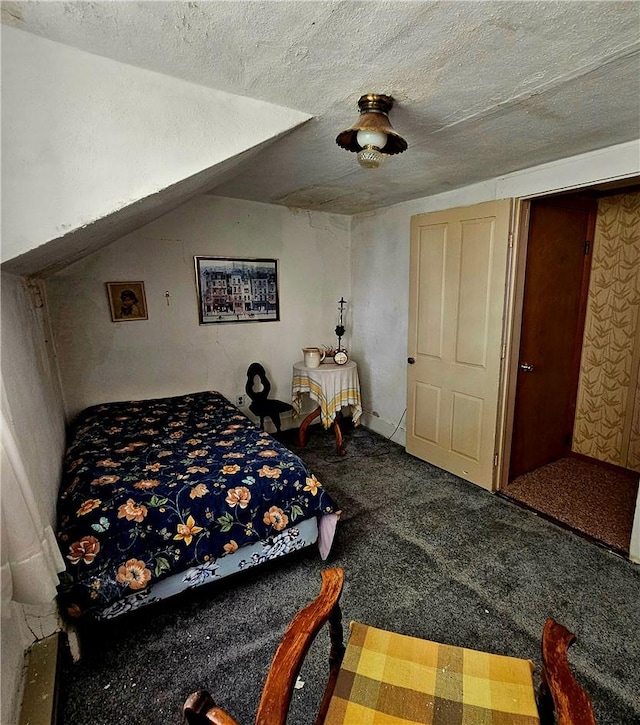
{"x": 457, "y": 301}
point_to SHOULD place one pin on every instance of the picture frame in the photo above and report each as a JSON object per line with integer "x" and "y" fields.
{"x": 127, "y": 301}
{"x": 237, "y": 289}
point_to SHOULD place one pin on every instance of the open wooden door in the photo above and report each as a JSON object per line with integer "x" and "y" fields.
{"x": 560, "y": 239}
{"x": 457, "y": 297}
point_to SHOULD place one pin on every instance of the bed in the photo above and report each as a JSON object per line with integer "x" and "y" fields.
{"x": 162, "y": 495}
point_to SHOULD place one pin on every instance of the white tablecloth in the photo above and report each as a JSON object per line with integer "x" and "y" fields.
{"x": 332, "y": 386}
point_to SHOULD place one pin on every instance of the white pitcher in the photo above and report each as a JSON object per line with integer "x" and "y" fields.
{"x": 313, "y": 356}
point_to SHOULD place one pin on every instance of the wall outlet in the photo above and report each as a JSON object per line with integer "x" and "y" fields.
{"x": 240, "y": 401}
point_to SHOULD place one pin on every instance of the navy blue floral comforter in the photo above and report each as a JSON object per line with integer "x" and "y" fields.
{"x": 151, "y": 488}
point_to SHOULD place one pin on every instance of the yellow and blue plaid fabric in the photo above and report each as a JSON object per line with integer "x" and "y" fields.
{"x": 392, "y": 679}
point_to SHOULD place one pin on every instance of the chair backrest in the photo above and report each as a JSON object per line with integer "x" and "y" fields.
{"x": 571, "y": 703}
{"x": 200, "y": 709}
{"x": 254, "y": 371}
{"x": 288, "y": 659}
{"x": 559, "y": 688}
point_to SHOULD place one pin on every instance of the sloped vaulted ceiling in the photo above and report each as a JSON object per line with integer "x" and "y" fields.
{"x": 92, "y": 146}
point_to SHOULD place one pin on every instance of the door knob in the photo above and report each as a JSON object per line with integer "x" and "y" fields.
{"x": 526, "y": 367}
{"x": 411, "y": 360}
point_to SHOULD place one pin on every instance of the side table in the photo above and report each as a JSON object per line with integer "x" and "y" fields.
{"x": 333, "y": 387}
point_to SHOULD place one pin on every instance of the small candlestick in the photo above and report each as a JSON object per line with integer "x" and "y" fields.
{"x": 340, "y": 326}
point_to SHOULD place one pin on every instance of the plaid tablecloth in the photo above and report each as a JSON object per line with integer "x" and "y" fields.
{"x": 392, "y": 679}
{"x": 332, "y": 386}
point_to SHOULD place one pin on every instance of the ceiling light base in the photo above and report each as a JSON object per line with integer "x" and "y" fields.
{"x": 373, "y": 119}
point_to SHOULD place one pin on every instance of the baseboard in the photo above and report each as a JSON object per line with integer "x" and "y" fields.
{"x": 40, "y": 696}
{"x": 393, "y": 432}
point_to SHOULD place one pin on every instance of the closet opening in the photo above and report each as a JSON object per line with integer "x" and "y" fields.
{"x": 575, "y": 442}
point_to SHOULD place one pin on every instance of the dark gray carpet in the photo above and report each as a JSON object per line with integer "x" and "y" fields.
{"x": 424, "y": 553}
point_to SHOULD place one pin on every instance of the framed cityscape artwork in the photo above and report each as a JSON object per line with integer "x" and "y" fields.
{"x": 237, "y": 290}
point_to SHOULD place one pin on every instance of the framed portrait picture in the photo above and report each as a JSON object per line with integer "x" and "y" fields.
{"x": 237, "y": 290}
{"x": 127, "y": 301}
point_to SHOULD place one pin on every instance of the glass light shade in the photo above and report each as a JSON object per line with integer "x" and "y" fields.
{"x": 371, "y": 137}
{"x": 370, "y": 157}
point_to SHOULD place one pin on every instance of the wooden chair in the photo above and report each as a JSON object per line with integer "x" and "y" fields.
{"x": 261, "y": 404}
{"x": 409, "y": 681}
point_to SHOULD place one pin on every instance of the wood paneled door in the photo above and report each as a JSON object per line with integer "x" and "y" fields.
{"x": 558, "y": 260}
{"x": 458, "y": 271}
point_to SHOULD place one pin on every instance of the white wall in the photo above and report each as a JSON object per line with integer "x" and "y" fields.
{"x": 380, "y": 264}
{"x": 32, "y": 390}
{"x": 84, "y": 136}
{"x": 33, "y": 408}
{"x": 170, "y": 353}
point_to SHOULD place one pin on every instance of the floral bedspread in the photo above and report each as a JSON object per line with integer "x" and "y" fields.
{"x": 151, "y": 488}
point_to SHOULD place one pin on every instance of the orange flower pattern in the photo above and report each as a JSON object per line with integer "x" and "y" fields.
{"x": 239, "y": 496}
{"x": 88, "y": 506}
{"x": 187, "y": 531}
{"x": 198, "y": 491}
{"x": 134, "y": 574}
{"x": 105, "y": 480}
{"x": 199, "y": 452}
{"x": 230, "y": 470}
{"x": 276, "y": 517}
{"x": 131, "y": 447}
{"x": 268, "y": 454}
{"x": 231, "y": 547}
{"x": 158, "y": 480}
{"x": 108, "y": 463}
{"x": 84, "y": 550}
{"x": 270, "y": 472}
{"x": 132, "y": 511}
{"x": 146, "y": 484}
{"x": 312, "y": 485}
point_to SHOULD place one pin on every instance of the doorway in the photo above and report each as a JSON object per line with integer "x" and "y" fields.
{"x": 561, "y": 462}
{"x": 559, "y": 251}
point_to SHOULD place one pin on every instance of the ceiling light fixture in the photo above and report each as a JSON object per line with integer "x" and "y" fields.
{"x": 372, "y": 136}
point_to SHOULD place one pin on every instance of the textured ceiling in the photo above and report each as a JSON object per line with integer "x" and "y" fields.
{"x": 482, "y": 88}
